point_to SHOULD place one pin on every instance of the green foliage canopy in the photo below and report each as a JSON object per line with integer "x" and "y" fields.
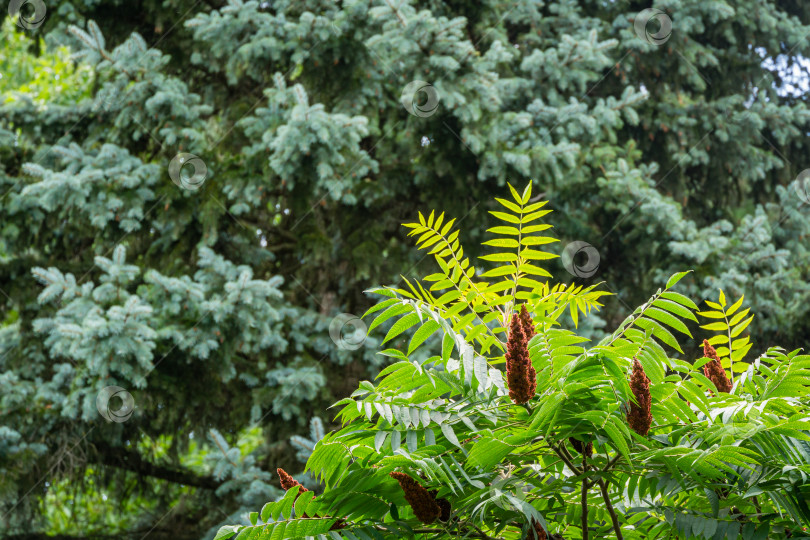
{"x": 714, "y": 464}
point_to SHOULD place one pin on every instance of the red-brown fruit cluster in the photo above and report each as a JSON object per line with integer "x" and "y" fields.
{"x": 424, "y": 506}
{"x": 520, "y": 373}
{"x": 539, "y": 533}
{"x": 639, "y": 416}
{"x": 444, "y": 504}
{"x": 444, "y": 507}
{"x": 288, "y": 481}
{"x": 578, "y": 446}
{"x": 528, "y": 330}
{"x": 713, "y": 369}
{"x": 527, "y": 323}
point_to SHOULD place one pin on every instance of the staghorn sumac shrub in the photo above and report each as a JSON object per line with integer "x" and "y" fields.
{"x": 527, "y": 430}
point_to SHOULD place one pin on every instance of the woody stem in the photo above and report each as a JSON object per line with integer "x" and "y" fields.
{"x": 584, "y": 497}
{"x": 611, "y": 511}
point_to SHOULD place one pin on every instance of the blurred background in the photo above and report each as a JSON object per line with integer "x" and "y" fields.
{"x": 194, "y": 196}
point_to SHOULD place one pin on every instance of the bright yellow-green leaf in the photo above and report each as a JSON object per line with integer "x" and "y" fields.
{"x": 722, "y": 351}
{"x": 529, "y": 283}
{"x": 500, "y": 271}
{"x": 722, "y": 299}
{"x": 500, "y": 257}
{"x": 739, "y": 316}
{"x": 737, "y": 343}
{"x": 718, "y": 326}
{"x": 740, "y": 367}
{"x": 735, "y": 306}
{"x": 455, "y": 309}
{"x": 535, "y": 206}
{"x": 430, "y": 241}
{"x": 464, "y": 321}
{"x": 499, "y": 301}
{"x": 425, "y": 236}
{"x": 737, "y": 330}
{"x": 739, "y": 354}
{"x": 712, "y": 314}
{"x": 438, "y": 223}
{"x": 535, "y": 228}
{"x": 502, "y": 242}
{"x": 504, "y": 229}
{"x": 515, "y": 194}
{"x": 527, "y": 194}
{"x": 528, "y": 218}
{"x": 533, "y": 270}
{"x": 503, "y": 216}
{"x": 500, "y": 286}
{"x": 509, "y": 205}
{"x": 537, "y": 240}
{"x": 534, "y": 255}
{"x": 439, "y": 285}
